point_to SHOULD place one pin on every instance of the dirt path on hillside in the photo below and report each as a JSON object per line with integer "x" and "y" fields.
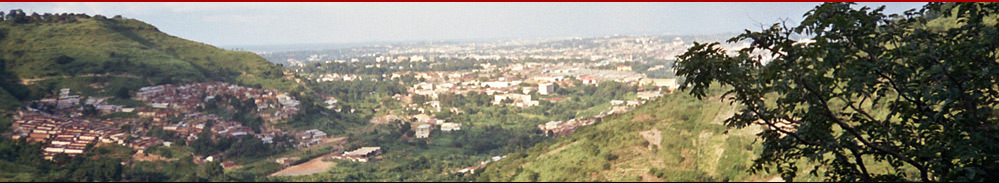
{"x": 33, "y": 80}
{"x": 711, "y": 152}
{"x": 316, "y": 165}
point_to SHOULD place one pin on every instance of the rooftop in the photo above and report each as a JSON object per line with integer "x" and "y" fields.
{"x": 362, "y": 151}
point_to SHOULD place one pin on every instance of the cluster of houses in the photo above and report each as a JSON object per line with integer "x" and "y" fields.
{"x": 426, "y": 123}
{"x": 309, "y": 138}
{"x": 68, "y": 132}
{"x": 501, "y": 91}
{"x": 566, "y": 127}
{"x": 68, "y": 102}
{"x": 515, "y": 99}
{"x": 617, "y": 107}
{"x": 502, "y": 88}
{"x": 65, "y": 135}
{"x": 510, "y": 89}
{"x": 272, "y": 105}
{"x": 192, "y": 124}
{"x": 171, "y": 107}
{"x": 65, "y": 99}
{"x": 482, "y": 164}
{"x": 337, "y": 77}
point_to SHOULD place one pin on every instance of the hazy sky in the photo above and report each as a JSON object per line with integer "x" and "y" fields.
{"x": 234, "y": 24}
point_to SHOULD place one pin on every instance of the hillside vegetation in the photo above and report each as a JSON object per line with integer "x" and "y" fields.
{"x": 870, "y": 97}
{"x": 674, "y": 138}
{"x": 98, "y": 56}
{"x": 873, "y": 98}
{"x": 41, "y": 52}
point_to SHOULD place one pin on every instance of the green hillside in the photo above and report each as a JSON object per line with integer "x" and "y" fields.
{"x": 693, "y": 145}
{"x": 98, "y": 55}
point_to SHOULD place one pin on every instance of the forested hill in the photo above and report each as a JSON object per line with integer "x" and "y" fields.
{"x": 101, "y": 55}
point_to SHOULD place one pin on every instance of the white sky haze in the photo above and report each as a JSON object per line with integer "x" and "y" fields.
{"x": 228, "y": 24}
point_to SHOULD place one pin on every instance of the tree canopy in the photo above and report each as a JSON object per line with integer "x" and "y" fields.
{"x": 850, "y": 89}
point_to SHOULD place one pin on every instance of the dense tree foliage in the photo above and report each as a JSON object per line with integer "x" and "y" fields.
{"x": 915, "y": 91}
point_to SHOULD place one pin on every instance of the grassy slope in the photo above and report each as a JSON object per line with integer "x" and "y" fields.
{"x": 98, "y": 56}
{"x": 128, "y": 50}
{"x": 694, "y": 147}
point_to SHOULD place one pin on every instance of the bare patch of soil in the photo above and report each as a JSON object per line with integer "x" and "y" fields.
{"x": 653, "y": 136}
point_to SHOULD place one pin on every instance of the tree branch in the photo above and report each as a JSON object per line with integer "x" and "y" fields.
{"x": 849, "y": 129}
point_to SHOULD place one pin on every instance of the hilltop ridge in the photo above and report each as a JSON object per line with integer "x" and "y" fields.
{"x": 41, "y": 52}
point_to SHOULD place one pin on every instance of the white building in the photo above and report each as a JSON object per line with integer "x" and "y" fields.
{"x": 496, "y": 84}
{"x": 161, "y": 105}
{"x": 447, "y": 127}
{"x": 423, "y": 131}
{"x": 617, "y": 102}
{"x": 546, "y": 88}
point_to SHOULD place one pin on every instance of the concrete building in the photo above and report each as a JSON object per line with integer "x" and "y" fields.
{"x": 423, "y": 131}
{"x": 63, "y": 93}
{"x": 623, "y": 68}
{"x": 363, "y": 154}
{"x": 447, "y": 127}
{"x": 546, "y": 88}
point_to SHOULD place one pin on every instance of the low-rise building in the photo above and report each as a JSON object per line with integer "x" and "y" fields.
{"x": 447, "y": 127}
{"x": 546, "y": 88}
{"x": 287, "y": 160}
{"x": 362, "y": 154}
{"x": 160, "y": 105}
{"x": 423, "y": 131}
{"x": 649, "y": 95}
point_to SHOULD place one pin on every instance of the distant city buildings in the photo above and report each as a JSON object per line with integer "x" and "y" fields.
{"x": 272, "y": 105}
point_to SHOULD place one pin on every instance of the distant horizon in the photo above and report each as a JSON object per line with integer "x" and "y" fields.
{"x": 234, "y": 25}
{"x": 334, "y": 45}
